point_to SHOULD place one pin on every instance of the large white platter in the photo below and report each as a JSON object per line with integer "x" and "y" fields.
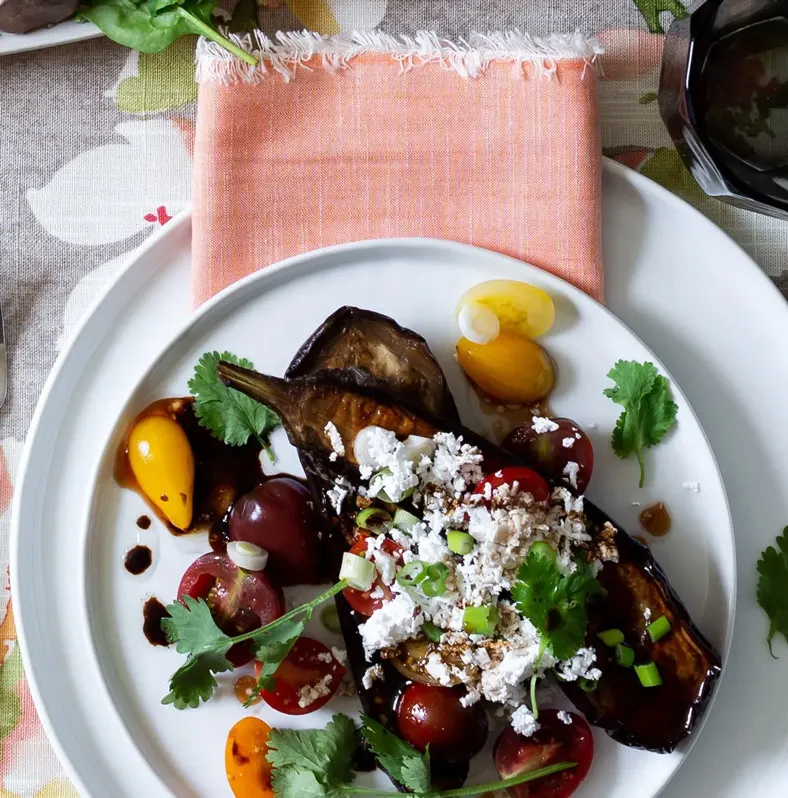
{"x": 112, "y": 752}
{"x": 62, "y": 33}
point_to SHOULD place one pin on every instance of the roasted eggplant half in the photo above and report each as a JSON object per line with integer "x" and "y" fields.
{"x": 373, "y": 351}
{"x": 654, "y": 719}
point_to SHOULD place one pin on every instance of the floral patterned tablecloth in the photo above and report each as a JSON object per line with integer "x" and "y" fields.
{"x": 95, "y": 146}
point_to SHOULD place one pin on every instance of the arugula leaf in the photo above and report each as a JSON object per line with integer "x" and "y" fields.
{"x": 153, "y": 25}
{"x": 649, "y": 412}
{"x": 227, "y": 414}
{"x": 404, "y": 763}
{"x": 773, "y": 587}
{"x": 272, "y": 647}
{"x": 555, "y": 604}
{"x": 194, "y": 681}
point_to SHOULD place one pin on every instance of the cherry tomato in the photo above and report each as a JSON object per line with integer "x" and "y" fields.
{"x": 305, "y": 680}
{"x": 239, "y": 600}
{"x": 546, "y": 450}
{"x": 554, "y": 741}
{"x": 245, "y": 759}
{"x": 361, "y": 600}
{"x": 510, "y": 368}
{"x": 434, "y": 717}
{"x": 527, "y": 480}
{"x": 279, "y": 517}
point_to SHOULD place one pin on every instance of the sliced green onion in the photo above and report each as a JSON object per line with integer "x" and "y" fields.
{"x": 380, "y": 493}
{"x": 375, "y": 520}
{"x": 431, "y": 631}
{"x": 412, "y": 573}
{"x": 542, "y": 549}
{"x": 459, "y": 542}
{"x": 625, "y": 656}
{"x": 434, "y": 583}
{"x": 648, "y": 674}
{"x": 329, "y": 617}
{"x": 405, "y": 521}
{"x": 611, "y": 637}
{"x": 359, "y": 572}
{"x": 658, "y": 629}
{"x": 480, "y": 620}
{"x": 588, "y": 685}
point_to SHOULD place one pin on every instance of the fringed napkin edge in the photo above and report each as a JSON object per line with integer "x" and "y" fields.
{"x": 469, "y": 57}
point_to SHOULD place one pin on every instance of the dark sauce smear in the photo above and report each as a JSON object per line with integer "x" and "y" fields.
{"x": 143, "y": 522}
{"x": 221, "y": 472}
{"x": 153, "y": 613}
{"x": 138, "y": 560}
{"x": 656, "y": 520}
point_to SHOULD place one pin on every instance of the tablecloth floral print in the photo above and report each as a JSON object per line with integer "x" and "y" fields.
{"x": 108, "y": 161}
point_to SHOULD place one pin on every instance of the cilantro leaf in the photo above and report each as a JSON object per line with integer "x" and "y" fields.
{"x": 555, "y": 604}
{"x": 194, "y": 681}
{"x": 648, "y": 414}
{"x": 227, "y": 414}
{"x": 192, "y": 628}
{"x": 316, "y": 762}
{"x": 403, "y": 763}
{"x": 272, "y": 647}
{"x": 773, "y": 587}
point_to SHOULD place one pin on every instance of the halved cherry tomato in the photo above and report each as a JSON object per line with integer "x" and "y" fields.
{"x": 239, "y": 600}
{"x": 554, "y": 741}
{"x": 361, "y": 600}
{"x": 245, "y": 759}
{"x": 305, "y": 680}
{"x": 528, "y": 481}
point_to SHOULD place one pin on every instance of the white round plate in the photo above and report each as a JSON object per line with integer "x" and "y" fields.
{"x": 100, "y": 724}
{"x": 62, "y": 33}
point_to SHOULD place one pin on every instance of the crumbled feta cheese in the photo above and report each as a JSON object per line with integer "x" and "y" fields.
{"x": 335, "y": 439}
{"x": 340, "y": 655}
{"x": 386, "y": 564}
{"x": 568, "y": 443}
{"x": 371, "y": 675}
{"x": 438, "y": 669}
{"x": 570, "y": 471}
{"x": 540, "y": 424}
{"x": 396, "y": 621}
{"x": 524, "y": 722}
{"x": 471, "y": 697}
{"x": 691, "y": 486}
{"x": 565, "y": 717}
{"x": 647, "y": 614}
{"x": 481, "y": 658}
{"x": 580, "y": 666}
{"x": 337, "y": 495}
{"x": 325, "y": 656}
{"x": 310, "y": 693}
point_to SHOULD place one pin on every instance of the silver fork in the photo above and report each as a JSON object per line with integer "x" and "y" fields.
{"x": 3, "y": 363}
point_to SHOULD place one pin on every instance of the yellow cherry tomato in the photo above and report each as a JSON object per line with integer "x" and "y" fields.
{"x": 245, "y": 759}
{"x": 162, "y": 462}
{"x": 521, "y": 308}
{"x": 510, "y": 368}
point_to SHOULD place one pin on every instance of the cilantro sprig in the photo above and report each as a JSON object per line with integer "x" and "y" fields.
{"x": 195, "y": 633}
{"x": 229, "y": 415}
{"x": 649, "y": 412}
{"x": 318, "y": 763}
{"x": 773, "y": 587}
{"x": 555, "y": 604}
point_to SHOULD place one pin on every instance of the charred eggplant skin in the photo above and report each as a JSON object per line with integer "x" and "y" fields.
{"x": 656, "y": 719}
{"x": 373, "y": 351}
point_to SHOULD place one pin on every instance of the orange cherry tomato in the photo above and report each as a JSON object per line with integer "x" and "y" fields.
{"x": 248, "y": 770}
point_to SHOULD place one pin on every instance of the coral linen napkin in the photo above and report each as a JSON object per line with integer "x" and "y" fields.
{"x": 493, "y": 142}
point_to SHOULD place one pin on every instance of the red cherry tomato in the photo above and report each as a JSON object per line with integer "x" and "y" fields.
{"x": 278, "y": 516}
{"x": 554, "y": 741}
{"x": 434, "y": 717}
{"x": 239, "y": 600}
{"x": 361, "y": 600}
{"x": 546, "y": 450}
{"x": 528, "y": 481}
{"x": 306, "y": 679}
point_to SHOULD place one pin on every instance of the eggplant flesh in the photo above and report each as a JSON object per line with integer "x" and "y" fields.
{"x": 370, "y": 350}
